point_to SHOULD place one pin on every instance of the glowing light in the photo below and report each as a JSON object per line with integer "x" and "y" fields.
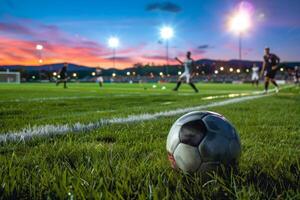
{"x": 166, "y": 32}
{"x": 40, "y": 61}
{"x": 54, "y": 74}
{"x": 39, "y": 47}
{"x": 128, "y": 73}
{"x": 247, "y": 70}
{"x": 58, "y": 76}
{"x": 240, "y": 22}
{"x": 216, "y": 71}
{"x": 93, "y": 73}
{"x": 74, "y": 75}
{"x": 114, "y": 74}
{"x": 238, "y": 71}
{"x": 179, "y": 73}
{"x": 281, "y": 69}
{"x": 133, "y": 73}
{"x": 231, "y": 69}
{"x": 113, "y": 42}
{"x": 161, "y": 74}
{"x": 33, "y": 77}
{"x": 222, "y": 68}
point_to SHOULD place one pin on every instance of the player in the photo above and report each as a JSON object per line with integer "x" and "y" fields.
{"x": 188, "y": 67}
{"x": 99, "y": 77}
{"x": 269, "y": 69}
{"x": 296, "y": 75}
{"x": 63, "y": 75}
{"x": 255, "y": 75}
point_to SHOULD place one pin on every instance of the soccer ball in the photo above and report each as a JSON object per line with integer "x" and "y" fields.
{"x": 202, "y": 141}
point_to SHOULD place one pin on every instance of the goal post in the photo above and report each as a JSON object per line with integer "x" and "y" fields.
{"x": 10, "y": 77}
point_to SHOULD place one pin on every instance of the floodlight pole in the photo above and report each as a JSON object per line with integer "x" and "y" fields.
{"x": 240, "y": 46}
{"x": 114, "y": 57}
{"x": 167, "y": 56}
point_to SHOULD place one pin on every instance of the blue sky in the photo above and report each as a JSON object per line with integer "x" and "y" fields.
{"x": 200, "y": 26}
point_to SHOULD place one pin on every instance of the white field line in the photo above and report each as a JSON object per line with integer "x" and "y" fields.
{"x": 53, "y": 130}
{"x": 42, "y": 99}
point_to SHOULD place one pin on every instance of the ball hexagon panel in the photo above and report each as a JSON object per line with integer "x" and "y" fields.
{"x": 214, "y": 147}
{"x": 187, "y": 157}
{"x": 173, "y": 138}
{"x": 219, "y": 125}
{"x": 192, "y": 132}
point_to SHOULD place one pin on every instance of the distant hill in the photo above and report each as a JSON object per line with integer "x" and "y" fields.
{"x": 204, "y": 64}
{"x": 48, "y": 67}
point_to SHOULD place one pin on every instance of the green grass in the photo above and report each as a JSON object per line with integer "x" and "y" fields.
{"x": 129, "y": 161}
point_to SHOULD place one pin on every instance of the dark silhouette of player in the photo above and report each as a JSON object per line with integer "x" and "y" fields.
{"x": 99, "y": 77}
{"x": 63, "y": 75}
{"x": 188, "y": 69}
{"x": 270, "y": 67}
{"x": 297, "y": 75}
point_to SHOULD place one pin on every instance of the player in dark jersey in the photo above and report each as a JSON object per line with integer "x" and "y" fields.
{"x": 270, "y": 67}
{"x": 188, "y": 71}
{"x": 63, "y": 75}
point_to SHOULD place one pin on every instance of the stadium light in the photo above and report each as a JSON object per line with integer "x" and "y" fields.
{"x": 222, "y": 68}
{"x": 238, "y": 71}
{"x": 74, "y": 75}
{"x": 93, "y": 73}
{"x": 179, "y": 73}
{"x": 281, "y": 69}
{"x": 54, "y": 74}
{"x": 239, "y": 23}
{"x": 128, "y": 73}
{"x": 247, "y": 70}
{"x": 114, "y": 74}
{"x": 33, "y": 77}
{"x": 167, "y": 33}
{"x": 161, "y": 73}
{"x": 133, "y": 73}
{"x": 216, "y": 71}
{"x": 113, "y": 43}
{"x": 39, "y": 49}
{"x": 231, "y": 69}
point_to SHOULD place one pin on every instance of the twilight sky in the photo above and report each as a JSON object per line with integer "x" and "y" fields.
{"x": 77, "y": 30}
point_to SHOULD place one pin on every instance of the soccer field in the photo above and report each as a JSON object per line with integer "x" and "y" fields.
{"x": 109, "y": 143}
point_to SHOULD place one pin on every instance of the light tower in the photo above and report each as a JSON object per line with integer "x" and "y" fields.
{"x": 239, "y": 23}
{"x": 167, "y": 33}
{"x": 39, "y": 49}
{"x": 113, "y": 43}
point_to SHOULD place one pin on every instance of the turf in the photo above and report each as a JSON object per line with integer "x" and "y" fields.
{"x": 128, "y": 161}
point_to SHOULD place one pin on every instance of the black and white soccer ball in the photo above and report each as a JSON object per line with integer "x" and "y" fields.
{"x": 201, "y": 141}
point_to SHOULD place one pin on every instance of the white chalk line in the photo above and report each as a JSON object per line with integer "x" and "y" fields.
{"x": 42, "y": 99}
{"x": 54, "y": 130}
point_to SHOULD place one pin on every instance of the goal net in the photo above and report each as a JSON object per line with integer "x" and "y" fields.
{"x": 9, "y": 77}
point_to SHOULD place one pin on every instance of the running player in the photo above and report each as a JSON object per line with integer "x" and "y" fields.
{"x": 99, "y": 77}
{"x": 255, "y": 75}
{"x": 269, "y": 69}
{"x": 188, "y": 69}
{"x": 296, "y": 75}
{"x": 63, "y": 75}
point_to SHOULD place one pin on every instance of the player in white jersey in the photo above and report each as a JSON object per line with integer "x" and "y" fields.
{"x": 188, "y": 69}
{"x": 99, "y": 77}
{"x": 255, "y": 75}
